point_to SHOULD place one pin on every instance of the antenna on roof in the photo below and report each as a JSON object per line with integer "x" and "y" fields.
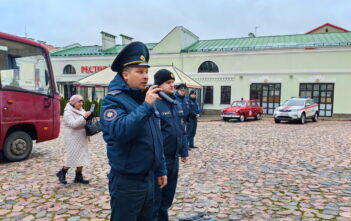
{"x": 256, "y": 27}
{"x": 25, "y": 31}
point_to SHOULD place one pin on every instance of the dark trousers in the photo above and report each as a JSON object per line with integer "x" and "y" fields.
{"x": 131, "y": 198}
{"x": 164, "y": 197}
{"x": 191, "y": 130}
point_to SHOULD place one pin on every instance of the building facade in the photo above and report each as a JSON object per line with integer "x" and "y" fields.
{"x": 269, "y": 69}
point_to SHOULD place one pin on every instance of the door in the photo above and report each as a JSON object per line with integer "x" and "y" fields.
{"x": 267, "y": 95}
{"x": 322, "y": 94}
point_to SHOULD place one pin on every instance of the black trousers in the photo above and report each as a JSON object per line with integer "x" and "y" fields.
{"x": 164, "y": 197}
{"x": 191, "y": 130}
{"x": 131, "y": 199}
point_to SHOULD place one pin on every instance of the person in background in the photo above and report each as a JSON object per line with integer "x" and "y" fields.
{"x": 174, "y": 143}
{"x": 133, "y": 135}
{"x": 76, "y": 141}
{"x": 194, "y": 114}
{"x": 180, "y": 98}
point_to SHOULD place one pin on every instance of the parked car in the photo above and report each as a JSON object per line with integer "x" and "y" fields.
{"x": 297, "y": 109}
{"x": 242, "y": 110}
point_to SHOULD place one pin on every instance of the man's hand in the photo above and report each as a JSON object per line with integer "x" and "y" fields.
{"x": 151, "y": 95}
{"x": 162, "y": 181}
{"x": 184, "y": 159}
{"x": 197, "y": 115}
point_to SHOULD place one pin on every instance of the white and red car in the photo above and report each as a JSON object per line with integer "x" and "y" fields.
{"x": 297, "y": 109}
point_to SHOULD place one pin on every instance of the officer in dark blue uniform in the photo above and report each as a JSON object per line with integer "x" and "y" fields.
{"x": 133, "y": 135}
{"x": 180, "y": 98}
{"x": 174, "y": 143}
{"x": 194, "y": 113}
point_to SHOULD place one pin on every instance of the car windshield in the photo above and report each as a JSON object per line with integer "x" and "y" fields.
{"x": 294, "y": 103}
{"x": 238, "y": 104}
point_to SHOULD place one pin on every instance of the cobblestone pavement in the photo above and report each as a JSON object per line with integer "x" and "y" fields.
{"x": 255, "y": 170}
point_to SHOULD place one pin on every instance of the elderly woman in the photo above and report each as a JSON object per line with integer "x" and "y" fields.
{"x": 76, "y": 141}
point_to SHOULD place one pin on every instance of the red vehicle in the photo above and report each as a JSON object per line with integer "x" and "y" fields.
{"x": 242, "y": 110}
{"x": 29, "y": 100}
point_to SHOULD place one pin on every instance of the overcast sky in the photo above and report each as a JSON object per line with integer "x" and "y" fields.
{"x": 64, "y": 22}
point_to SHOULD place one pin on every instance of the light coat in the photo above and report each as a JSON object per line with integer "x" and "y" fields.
{"x": 76, "y": 141}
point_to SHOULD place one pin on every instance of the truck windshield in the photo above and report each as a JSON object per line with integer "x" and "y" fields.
{"x": 23, "y": 68}
{"x": 294, "y": 103}
{"x": 238, "y": 104}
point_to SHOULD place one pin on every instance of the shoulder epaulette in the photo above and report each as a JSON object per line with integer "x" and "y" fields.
{"x": 114, "y": 92}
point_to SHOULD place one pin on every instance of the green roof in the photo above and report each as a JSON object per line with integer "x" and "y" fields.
{"x": 91, "y": 50}
{"x": 272, "y": 42}
{"x": 230, "y": 44}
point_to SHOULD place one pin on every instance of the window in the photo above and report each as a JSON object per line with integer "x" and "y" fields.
{"x": 69, "y": 69}
{"x": 225, "y": 94}
{"x": 208, "y": 94}
{"x": 238, "y": 104}
{"x": 23, "y": 68}
{"x": 321, "y": 94}
{"x": 208, "y": 66}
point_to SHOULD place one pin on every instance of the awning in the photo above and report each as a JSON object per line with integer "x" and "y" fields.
{"x": 69, "y": 78}
{"x": 104, "y": 77}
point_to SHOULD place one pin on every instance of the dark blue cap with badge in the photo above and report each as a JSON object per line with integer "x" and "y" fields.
{"x": 134, "y": 54}
{"x": 181, "y": 86}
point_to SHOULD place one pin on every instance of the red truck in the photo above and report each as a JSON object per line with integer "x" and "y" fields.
{"x": 242, "y": 110}
{"x": 29, "y": 100}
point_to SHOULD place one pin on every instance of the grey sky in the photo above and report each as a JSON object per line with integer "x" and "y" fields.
{"x": 63, "y": 22}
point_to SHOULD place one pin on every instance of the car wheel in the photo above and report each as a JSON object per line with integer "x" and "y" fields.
{"x": 315, "y": 117}
{"x": 18, "y": 146}
{"x": 225, "y": 119}
{"x": 276, "y": 121}
{"x": 242, "y": 118}
{"x": 302, "y": 118}
{"x": 258, "y": 117}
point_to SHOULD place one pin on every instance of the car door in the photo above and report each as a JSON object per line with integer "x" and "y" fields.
{"x": 248, "y": 110}
{"x": 308, "y": 108}
{"x": 254, "y": 109}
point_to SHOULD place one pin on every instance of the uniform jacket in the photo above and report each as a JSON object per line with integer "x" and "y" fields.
{"x": 185, "y": 105}
{"x": 173, "y": 130}
{"x": 193, "y": 107}
{"x": 75, "y": 139}
{"x": 132, "y": 131}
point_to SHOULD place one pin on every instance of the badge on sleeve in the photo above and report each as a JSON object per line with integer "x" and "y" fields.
{"x": 110, "y": 114}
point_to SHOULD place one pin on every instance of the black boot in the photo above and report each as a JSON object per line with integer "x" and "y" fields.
{"x": 80, "y": 179}
{"x": 62, "y": 176}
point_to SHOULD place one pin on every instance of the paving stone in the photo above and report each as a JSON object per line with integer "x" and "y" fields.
{"x": 73, "y": 218}
{"x": 235, "y": 217}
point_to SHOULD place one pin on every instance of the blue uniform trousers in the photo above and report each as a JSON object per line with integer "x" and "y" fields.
{"x": 164, "y": 197}
{"x": 132, "y": 197}
{"x": 191, "y": 127}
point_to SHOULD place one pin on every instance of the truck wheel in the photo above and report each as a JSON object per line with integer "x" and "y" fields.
{"x": 258, "y": 117}
{"x": 315, "y": 117}
{"x": 2, "y": 158}
{"x": 276, "y": 121}
{"x": 302, "y": 118}
{"x": 18, "y": 146}
{"x": 242, "y": 118}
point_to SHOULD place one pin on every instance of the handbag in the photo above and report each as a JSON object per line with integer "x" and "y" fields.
{"x": 92, "y": 127}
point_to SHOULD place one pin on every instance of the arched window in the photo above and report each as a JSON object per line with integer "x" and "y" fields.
{"x": 69, "y": 69}
{"x": 208, "y": 66}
